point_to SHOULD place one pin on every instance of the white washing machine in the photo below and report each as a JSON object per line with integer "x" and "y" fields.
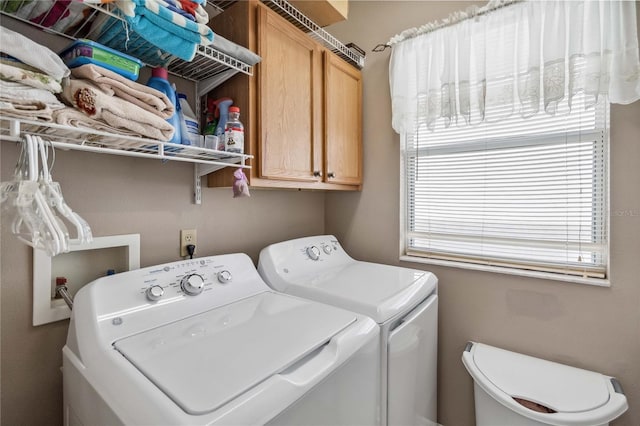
{"x": 404, "y": 302}
{"x": 206, "y": 341}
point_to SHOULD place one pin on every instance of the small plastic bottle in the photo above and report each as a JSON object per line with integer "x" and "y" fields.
{"x": 234, "y": 132}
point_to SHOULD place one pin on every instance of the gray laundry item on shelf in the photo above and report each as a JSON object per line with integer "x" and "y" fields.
{"x": 32, "y": 53}
{"x": 235, "y": 50}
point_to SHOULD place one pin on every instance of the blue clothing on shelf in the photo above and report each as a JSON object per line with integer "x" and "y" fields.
{"x": 153, "y": 22}
{"x": 118, "y": 34}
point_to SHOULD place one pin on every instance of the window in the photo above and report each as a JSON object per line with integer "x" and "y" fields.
{"x": 518, "y": 193}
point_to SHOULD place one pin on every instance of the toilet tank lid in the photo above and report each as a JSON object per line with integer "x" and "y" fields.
{"x": 557, "y": 386}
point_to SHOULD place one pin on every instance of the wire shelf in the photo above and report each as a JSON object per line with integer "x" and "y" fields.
{"x": 350, "y": 53}
{"x": 65, "y": 137}
{"x": 208, "y": 61}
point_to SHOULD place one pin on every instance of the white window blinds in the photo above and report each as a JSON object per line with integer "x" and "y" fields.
{"x": 522, "y": 193}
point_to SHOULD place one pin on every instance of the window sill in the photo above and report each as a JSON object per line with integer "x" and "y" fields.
{"x": 510, "y": 271}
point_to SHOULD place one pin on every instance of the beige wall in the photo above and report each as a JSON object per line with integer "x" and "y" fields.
{"x": 119, "y": 195}
{"x": 586, "y": 326}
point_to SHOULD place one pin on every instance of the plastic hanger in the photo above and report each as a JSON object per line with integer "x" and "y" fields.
{"x": 55, "y": 228}
{"x": 53, "y": 193}
{"x": 33, "y": 199}
{"x": 19, "y": 198}
{"x": 32, "y": 224}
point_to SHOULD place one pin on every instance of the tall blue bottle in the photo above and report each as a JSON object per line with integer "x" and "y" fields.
{"x": 160, "y": 82}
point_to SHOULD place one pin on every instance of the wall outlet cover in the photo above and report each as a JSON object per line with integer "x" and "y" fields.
{"x": 187, "y": 236}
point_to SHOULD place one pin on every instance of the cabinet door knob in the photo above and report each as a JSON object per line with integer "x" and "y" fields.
{"x": 331, "y": 175}
{"x": 317, "y": 173}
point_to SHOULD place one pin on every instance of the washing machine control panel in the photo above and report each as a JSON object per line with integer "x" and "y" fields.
{"x": 131, "y": 301}
{"x": 187, "y": 278}
{"x": 302, "y": 260}
{"x": 320, "y": 248}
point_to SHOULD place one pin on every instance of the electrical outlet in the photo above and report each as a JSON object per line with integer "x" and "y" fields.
{"x": 187, "y": 236}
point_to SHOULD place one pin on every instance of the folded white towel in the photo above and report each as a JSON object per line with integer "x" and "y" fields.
{"x": 72, "y": 117}
{"x": 17, "y": 93}
{"x": 32, "y": 53}
{"x": 33, "y": 111}
{"x": 34, "y": 79}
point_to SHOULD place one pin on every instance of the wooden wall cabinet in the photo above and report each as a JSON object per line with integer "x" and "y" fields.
{"x": 323, "y": 12}
{"x": 302, "y": 110}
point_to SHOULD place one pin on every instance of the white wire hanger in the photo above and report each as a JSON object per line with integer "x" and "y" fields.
{"x": 33, "y": 198}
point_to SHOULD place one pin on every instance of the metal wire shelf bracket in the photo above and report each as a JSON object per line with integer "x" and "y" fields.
{"x": 204, "y": 169}
{"x": 301, "y": 21}
{"x": 208, "y": 61}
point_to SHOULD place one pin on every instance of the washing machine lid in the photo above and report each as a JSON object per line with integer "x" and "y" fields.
{"x": 205, "y": 361}
{"x": 379, "y": 291}
{"x": 560, "y": 387}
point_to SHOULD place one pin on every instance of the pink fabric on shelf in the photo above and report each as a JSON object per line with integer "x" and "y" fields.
{"x": 58, "y": 11}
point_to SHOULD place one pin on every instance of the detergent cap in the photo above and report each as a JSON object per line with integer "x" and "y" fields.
{"x": 160, "y": 72}
{"x": 234, "y": 109}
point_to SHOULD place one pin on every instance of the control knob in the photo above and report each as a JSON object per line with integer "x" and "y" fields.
{"x": 154, "y": 293}
{"x": 313, "y": 252}
{"x": 192, "y": 284}
{"x": 326, "y": 248}
{"x": 224, "y": 276}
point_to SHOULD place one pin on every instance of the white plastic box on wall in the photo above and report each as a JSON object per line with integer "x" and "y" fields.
{"x": 81, "y": 265}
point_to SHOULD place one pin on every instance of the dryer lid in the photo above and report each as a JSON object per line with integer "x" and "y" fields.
{"x": 204, "y": 361}
{"x": 557, "y": 386}
{"x": 378, "y": 291}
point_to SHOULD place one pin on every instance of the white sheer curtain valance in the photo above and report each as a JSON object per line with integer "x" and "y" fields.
{"x": 513, "y": 60}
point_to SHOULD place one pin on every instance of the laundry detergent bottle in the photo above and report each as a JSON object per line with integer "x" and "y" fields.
{"x": 160, "y": 82}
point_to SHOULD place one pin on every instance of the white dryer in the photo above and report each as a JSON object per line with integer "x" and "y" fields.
{"x": 404, "y": 302}
{"x": 206, "y": 341}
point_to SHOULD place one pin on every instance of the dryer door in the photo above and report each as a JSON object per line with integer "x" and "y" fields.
{"x": 412, "y": 367}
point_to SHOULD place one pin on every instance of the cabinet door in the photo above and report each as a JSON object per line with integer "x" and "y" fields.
{"x": 290, "y": 101}
{"x": 343, "y": 122}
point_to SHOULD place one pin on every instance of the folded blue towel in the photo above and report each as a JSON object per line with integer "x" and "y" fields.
{"x": 165, "y": 29}
{"x": 174, "y": 6}
{"x": 117, "y": 34}
{"x": 166, "y": 40}
{"x": 168, "y": 20}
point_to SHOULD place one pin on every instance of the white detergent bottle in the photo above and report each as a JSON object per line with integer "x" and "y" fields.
{"x": 190, "y": 122}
